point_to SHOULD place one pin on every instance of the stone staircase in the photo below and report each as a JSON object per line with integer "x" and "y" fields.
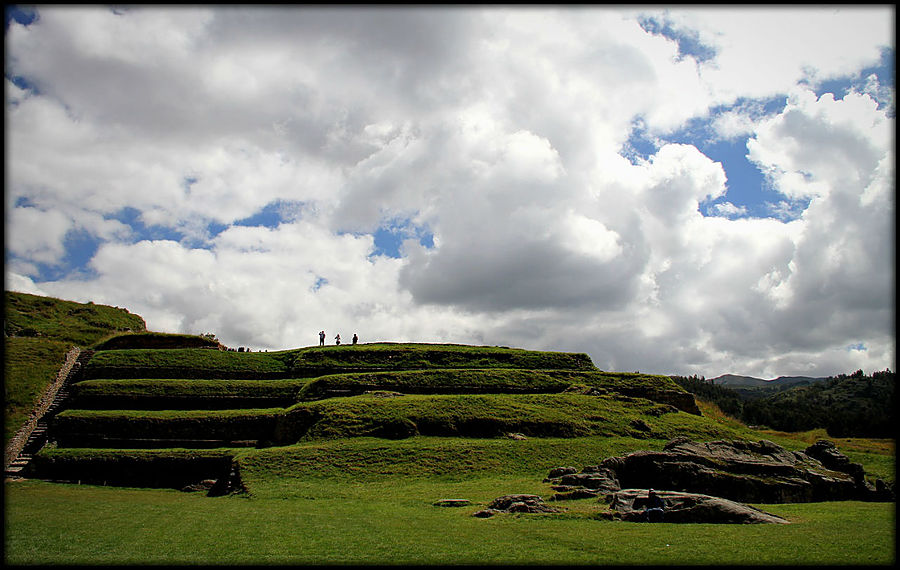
{"x": 35, "y": 431}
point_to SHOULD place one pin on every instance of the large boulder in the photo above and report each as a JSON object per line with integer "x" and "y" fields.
{"x": 753, "y": 472}
{"x": 629, "y": 504}
{"x": 827, "y": 453}
{"x": 603, "y": 480}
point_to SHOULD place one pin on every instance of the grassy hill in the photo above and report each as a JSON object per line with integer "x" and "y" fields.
{"x": 343, "y": 451}
{"x": 38, "y": 333}
{"x": 81, "y": 324}
{"x": 144, "y": 394}
{"x": 856, "y": 405}
{"x": 139, "y": 398}
{"x": 749, "y": 382}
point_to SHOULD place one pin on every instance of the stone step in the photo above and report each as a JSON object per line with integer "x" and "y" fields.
{"x": 20, "y": 463}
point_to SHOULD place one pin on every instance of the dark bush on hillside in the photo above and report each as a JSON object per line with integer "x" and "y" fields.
{"x": 846, "y": 406}
{"x": 727, "y": 399}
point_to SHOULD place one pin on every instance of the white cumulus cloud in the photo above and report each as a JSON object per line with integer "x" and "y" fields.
{"x": 235, "y": 168}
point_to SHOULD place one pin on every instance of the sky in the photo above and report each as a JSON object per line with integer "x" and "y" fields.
{"x": 698, "y": 190}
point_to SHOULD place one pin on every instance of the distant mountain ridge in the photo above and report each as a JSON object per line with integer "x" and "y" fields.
{"x": 736, "y": 381}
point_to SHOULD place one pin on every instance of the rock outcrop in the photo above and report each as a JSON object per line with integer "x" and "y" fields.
{"x": 519, "y": 503}
{"x": 760, "y": 472}
{"x": 706, "y": 482}
{"x": 594, "y": 478}
{"x": 628, "y": 505}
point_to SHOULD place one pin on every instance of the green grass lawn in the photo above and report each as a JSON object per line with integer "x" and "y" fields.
{"x": 371, "y": 501}
{"x": 360, "y": 483}
{"x": 343, "y": 520}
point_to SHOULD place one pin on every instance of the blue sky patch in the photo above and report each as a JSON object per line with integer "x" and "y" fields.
{"x": 23, "y": 84}
{"x": 688, "y": 41}
{"x": 840, "y": 86}
{"x": 747, "y": 186}
{"x": 274, "y": 214}
{"x": 80, "y": 247}
{"x": 389, "y": 237}
{"x": 24, "y": 15}
{"x": 749, "y": 194}
{"x": 132, "y": 218}
{"x": 640, "y": 146}
{"x": 269, "y": 217}
{"x": 215, "y": 228}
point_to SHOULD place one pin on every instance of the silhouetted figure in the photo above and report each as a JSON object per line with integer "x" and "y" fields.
{"x": 655, "y": 507}
{"x": 337, "y": 339}
{"x": 321, "y": 338}
{"x": 355, "y": 338}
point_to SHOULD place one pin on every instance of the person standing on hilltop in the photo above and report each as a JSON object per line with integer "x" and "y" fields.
{"x": 355, "y": 338}
{"x": 321, "y": 338}
{"x": 337, "y": 339}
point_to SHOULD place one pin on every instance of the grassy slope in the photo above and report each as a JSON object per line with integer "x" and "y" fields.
{"x": 340, "y": 496}
{"x": 30, "y": 364}
{"x": 370, "y": 501}
{"x": 389, "y": 520}
{"x": 81, "y": 324}
{"x": 40, "y": 330}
